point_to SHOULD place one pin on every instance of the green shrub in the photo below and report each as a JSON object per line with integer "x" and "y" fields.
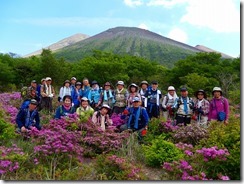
{"x": 7, "y": 131}
{"x": 161, "y": 151}
{"x": 226, "y": 137}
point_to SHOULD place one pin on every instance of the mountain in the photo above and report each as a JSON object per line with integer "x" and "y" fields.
{"x": 132, "y": 41}
{"x": 62, "y": 43}
{"x": 206, "y": 49}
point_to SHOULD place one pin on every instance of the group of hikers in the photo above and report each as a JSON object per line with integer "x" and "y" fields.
{"x": 137, "y": 104}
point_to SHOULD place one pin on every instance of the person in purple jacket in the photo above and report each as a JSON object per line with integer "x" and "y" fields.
{"x": 218, "y": 104}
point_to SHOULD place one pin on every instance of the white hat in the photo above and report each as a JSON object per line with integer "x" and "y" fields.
{"x": 217, "y": 89}
{"x": 120, "y": 83}
{"x": 171, "y": 88}
{"x": 84, "y": 99}
{"x": 73, "y": 78}
{"x": 106, "y": 106}
{"x": 48, "y": 78}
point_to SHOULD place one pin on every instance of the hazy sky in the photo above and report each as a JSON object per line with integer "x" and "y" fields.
{"x": 29, "y": 25}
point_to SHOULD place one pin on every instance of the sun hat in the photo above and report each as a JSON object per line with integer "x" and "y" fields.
{"x": 217, "y": 89}
{"x": 171, "y": 88}
{"x": 201, "y": 91}
{"x": 143, "y": 82}
{"x": 120, "y": 83}
{"x": 48, "y": 78}
{"x": 73, "y": 78}
{"x": 106, "y": 107}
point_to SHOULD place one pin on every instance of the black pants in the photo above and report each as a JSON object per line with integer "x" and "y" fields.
{"x": 153, "y": 110}
{"x": 183, "y": 119}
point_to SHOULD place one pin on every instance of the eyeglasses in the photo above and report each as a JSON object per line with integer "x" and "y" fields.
{"x": 200, "y": 94}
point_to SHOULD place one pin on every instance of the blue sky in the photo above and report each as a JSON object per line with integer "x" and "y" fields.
{"x": 29, "y": 25}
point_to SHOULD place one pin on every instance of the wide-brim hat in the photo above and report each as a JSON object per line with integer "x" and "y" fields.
{"x": 66, "y": 81}
{"x": 84, "y": 99}
{"x": 217, "y": 89}
{"x": 120, "y": 83}
{"x": 133, "y": 85}
{"x": 106, "y": 107}
{"x": 144, "y": 82}
{"x": 201, "y": 91}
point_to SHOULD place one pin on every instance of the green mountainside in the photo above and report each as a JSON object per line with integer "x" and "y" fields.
{"x": 131, "y": 41}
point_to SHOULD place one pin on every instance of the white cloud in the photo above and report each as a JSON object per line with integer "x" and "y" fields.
{"x": 143, "y": 26}
{"x": 133, "y": 3}
{"x": 165, "y": 3}
{"x": 218, "y": 15}
{"x": 178, "y": 35}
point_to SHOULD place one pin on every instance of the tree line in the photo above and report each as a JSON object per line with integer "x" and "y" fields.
{"x": 200, "y": 71}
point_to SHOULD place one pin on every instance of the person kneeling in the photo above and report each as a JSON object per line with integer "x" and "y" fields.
{"x": 28, "y": 117}
{"x": 137, "y": 118}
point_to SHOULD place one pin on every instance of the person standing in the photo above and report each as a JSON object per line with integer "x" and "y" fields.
{"x": 142, "y": 91}
{"x": 94, "y": 94}
{"x": 133, "y": 92}
{"x": 168, "y": 102}
{"x": 184, "y": 107}
{"x": 64, "y": 90}
{"x": 218, "y": 104}
{"x": 107, "y": 96}
{"x": 152, "y": 100}
{"x": 48, "y": 93}
{"x": 121, "y": 95}
{"x": 201, "y": 108}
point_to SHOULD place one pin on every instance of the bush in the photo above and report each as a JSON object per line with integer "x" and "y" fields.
{"x": 161, "y": 151}
{"x": 226, "y": 137}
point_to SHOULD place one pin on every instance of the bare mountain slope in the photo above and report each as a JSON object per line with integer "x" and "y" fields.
{"x": 62, "y": 43}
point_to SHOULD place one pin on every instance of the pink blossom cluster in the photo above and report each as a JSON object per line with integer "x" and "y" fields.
{"x": 213, "y": 153}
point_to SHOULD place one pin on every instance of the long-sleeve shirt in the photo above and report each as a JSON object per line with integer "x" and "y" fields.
{"x": 222, "y": 104}
{"x": 28, "y": 118}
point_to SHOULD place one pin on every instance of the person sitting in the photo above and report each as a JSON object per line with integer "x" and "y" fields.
{"x": 101, "y": 117}
{"x": 85, "y": 111}
{"x": 138, "y": 118}
{"x": 65, "y": 109}
{"x": 28, "y": 117}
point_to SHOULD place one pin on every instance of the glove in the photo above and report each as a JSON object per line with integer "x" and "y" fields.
{"x": 168, "y": 107}
{"x": 200, "y": 111}
{"x": 125, "y": 112}
{"x": 173, "y": 109}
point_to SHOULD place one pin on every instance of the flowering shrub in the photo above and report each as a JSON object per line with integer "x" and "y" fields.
{"x": 9, "y": 160}
{"x": 190, "y": 134}
{"x": 112, "y": 167}
{"x": 226, "y": 137}
{"x": 202, "y": 164}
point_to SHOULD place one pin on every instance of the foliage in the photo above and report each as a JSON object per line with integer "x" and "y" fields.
{"x": 190, "y": 134}
{"x": 202, "y": 164}
{"x": 112, "y": 167}
{"x": 226, "y": 137}
{"x": 161, "y": 151}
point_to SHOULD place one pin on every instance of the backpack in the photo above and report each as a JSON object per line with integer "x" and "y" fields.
{"x": 24, "y": 92}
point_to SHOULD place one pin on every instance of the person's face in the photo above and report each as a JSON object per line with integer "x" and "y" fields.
{"x": 84, "y": 103}
{"x": 119, "y": 86}
{"x": 48, "y": 82}
{"x": 171, "y": 92}
{"x": 32, "y": 107}
{"x": 136, "y": 104}
{"x": 67, "y": 102}
{"x": 144, "y": 86}
{"x": 154, "y": 86}
{"x": 33, "y": 84}
{"x": 107, "y": 87}
{"x": 184, "y": 93}
{"x": 67, "y": 84}
{"x": 104, "y": 111}
{"x": 73, "y": 81}
{"x": 133, "y": 89}
{"x": 33, "y": 92}
{"x": 78, "y": 86}
{"x": 217, "y": 94}
{"x": 85, "y": 82}
{"x": 200, "y": 96}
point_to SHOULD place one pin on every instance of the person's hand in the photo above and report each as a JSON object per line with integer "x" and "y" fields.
{"x": 226, "y": 122}
{"x": 168, "y": 107}
{"x": 23, "y": 129}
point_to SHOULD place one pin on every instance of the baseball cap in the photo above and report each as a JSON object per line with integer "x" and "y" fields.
{"x": 171, "y": 88}
{"x": 136, "y": 99}
{"x": 154, "y": 82}
{"x": 183, "y": 89}
{"x": 34, "y": 102}
{"x": 73, "y": 78}
{"x": 33, "y": 81}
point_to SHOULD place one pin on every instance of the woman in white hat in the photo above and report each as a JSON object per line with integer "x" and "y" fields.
{"x": 168, "y": 102}
{"x": 101, "y": 117}
{"x": 85, "y": 111}
{"x": 218, "y": 105}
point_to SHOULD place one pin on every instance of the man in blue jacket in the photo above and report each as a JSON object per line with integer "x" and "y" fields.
{"x": 137, "y": 118}
{"x": 28, "y": 117}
